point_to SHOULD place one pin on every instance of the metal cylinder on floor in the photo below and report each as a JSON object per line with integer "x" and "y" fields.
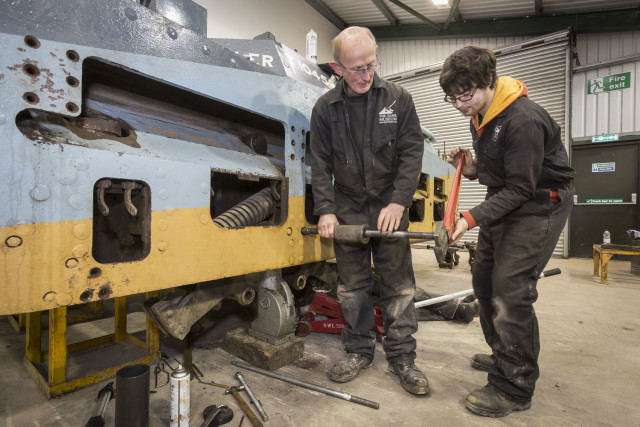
{"x": 132, "y": 396}
{"x": 180, "y": 397}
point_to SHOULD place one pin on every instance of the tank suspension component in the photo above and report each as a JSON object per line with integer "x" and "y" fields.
{"x": 251, "y": 211}
{"x": 102, "y": 205}
{"x": 128, "y": 187}
{"x": 310, "y": 386}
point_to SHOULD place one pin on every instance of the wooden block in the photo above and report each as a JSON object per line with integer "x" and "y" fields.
{"x": 260, "y": 353}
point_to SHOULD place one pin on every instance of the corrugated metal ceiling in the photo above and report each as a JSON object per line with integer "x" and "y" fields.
{"x": 385, "y": 16}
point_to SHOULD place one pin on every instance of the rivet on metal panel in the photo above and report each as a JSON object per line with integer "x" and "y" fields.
{"x": 293, "y": 143}
{"x": 172, "y": 33}
{"x": 293, "y": 157}
{"x": 104, "y": 292}
{"x": 63, "y": 299}
{"x": 13, "y": 241}
{"x": 79, "y": 251}
{"x": 131, "y": 14}
{"x": 40, "y": 192}
{"x": 49, "y": 296}
{"x": 163, "y": 225}
{"x": 71, "y": 263}
{"x": 289, "y": 231}
{"x": 292, "y": 243}
{"x": 77, "y": 201}
{"x": 301, "y": 242}
{"x": 204, "y": 218}
{"x": 300, "y": 258}
{"x": 302, "y": 159}
{"x": 81, "y": 231}
{"x": 162, "y": 246}
{"x": 80, "y": 164}
{"x": 292, "y": 260}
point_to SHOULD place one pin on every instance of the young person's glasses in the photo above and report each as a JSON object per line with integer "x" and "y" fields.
{"x": 462, "y": 98}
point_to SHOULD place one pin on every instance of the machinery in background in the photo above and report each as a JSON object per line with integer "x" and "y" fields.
{"x": 140, "y": 155}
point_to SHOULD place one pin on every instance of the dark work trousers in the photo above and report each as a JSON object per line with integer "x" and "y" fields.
{"x": 510, "y": 257}
{"x": 392, "y": 259}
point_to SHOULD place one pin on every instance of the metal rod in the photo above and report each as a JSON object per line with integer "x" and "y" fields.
{"x": 391, "y": 235}
{"x": 442, "y": 298}
{"x": 340, "y": 395}
{"x": 252, "y": 397}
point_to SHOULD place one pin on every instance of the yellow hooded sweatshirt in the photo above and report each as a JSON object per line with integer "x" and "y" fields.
{"x": 507, "y": 91}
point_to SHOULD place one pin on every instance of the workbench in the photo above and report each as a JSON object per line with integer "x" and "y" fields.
{"x": 603, "y": 253}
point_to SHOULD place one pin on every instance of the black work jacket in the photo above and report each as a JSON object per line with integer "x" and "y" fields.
{"x": 387, "y": 169}
{"x": 520, "y": 155}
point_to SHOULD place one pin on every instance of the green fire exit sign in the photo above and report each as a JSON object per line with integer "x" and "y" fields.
{"x": 609, "y": 83}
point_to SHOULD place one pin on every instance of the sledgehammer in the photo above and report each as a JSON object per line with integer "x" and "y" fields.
{"x": 362, "y": 234}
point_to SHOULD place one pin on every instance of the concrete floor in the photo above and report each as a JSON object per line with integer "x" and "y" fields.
{"x": 590, "y": 375}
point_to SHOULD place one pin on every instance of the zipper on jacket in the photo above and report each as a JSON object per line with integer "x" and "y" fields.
{"x": 353, "y": 144}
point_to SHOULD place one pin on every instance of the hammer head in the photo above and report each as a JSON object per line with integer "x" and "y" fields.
{"x": 441, "y": 242}
{"x": 231, "y": 389}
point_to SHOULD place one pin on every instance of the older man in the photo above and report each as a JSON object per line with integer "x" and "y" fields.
{"x": 366, "y": 156}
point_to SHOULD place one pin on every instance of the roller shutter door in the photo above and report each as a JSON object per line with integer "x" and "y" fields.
{"x": 543, "y": 64}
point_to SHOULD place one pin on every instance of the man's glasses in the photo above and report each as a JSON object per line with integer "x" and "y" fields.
{"x": 462, "y": 98}
{"x": 370, "y": 68}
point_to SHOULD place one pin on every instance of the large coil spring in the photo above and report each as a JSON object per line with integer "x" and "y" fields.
{"x": 251, "y": 211}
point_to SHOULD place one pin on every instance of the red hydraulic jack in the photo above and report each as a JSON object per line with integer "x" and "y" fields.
{"x": 325, "y": 314}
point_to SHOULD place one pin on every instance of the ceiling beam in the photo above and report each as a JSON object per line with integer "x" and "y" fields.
{"x": 454, "y": 14}
{"x": 328, "y": 14}
{"x": 386, "y": 12}
{"x": 593, "y": 22}
{"x": 415, "y": 13}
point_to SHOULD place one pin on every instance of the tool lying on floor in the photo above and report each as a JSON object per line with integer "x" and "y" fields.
{"x": 235, "y": 392}
{"x": 432, "y": 301}
{"x": 362, "y": 234}
{"x": 104, "y": 396}
{"x": 310, "y": 386}
{"x": 215, "y": 416}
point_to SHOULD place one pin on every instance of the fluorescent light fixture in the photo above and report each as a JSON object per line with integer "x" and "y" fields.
{"x": 441, "y": 4}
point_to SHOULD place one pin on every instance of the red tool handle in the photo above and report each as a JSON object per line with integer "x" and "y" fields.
{"x": 452, "y": 203}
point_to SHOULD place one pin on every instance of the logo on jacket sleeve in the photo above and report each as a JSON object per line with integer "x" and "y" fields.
{"x": 387, "y": 115}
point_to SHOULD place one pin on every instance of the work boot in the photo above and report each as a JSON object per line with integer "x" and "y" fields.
{"x": 348, "y": 368}
{"x": 483, "y": 362}
{"x": 491, "y": 403}
{"x": 411, "y": 378}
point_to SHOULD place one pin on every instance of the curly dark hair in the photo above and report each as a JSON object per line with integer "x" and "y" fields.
{"x": 466, "y": 68}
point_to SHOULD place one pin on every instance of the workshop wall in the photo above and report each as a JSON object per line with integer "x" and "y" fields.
{"x": 606, "y": 112}
{"x": 288, "y": 20}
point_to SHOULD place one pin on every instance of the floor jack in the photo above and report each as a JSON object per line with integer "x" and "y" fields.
{"x": 324, "y": 315}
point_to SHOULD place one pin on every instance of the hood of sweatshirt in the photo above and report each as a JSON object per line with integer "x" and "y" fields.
{"x": 507, "y": 90}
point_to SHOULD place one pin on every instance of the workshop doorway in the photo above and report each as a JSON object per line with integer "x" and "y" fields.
{"x": 607, "y": 179}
